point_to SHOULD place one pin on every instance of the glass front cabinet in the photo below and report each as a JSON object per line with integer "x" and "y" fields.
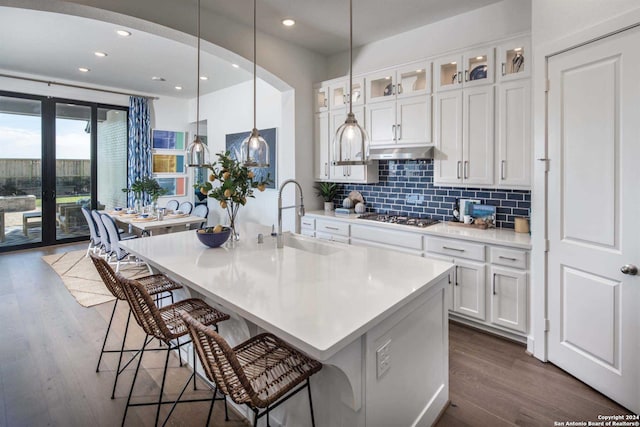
{"x": 473, "y": 68}
{"x": 514, "y": 59}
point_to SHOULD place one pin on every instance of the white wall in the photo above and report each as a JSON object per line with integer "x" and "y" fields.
{"x": 231, "y": 111}
{"x": 477, "y": 27}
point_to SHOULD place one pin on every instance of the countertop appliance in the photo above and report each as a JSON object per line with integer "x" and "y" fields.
{"x": 399, "y": 219}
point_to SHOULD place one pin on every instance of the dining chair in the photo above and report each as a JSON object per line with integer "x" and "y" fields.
{"x": 203, "y": 212}
{"x": 262, "y": 372}
{"x": 172, "y": 205}
{"x": 105, "y": 243}
{"x": 115, "y": 250}
{"x": 166, "y": 325}
{"x": 186, "y": 207}
{"x": 94, "y": 236}
{"x": 155, "y": 284}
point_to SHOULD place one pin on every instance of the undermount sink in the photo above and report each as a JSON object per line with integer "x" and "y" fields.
{"x": 317, "y": 248}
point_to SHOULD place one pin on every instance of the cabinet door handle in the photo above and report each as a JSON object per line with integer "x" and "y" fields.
{"x": 507, "y": 258}
{"x": 331, "y": 228}
{"x": 456, "y": 276}
{"x": 466, "y": 75}
{"x": 453, "y": 249}
{"x": 347, "y": 98}
{"x": 494, "y": 283}
{"x": 458, "y": 169}
{"x": 399, "y": 88}
{"x": 502, "y": 169}
{"x": 393, "y": 131}
{"x": 326, "y": 169}
{"x": 466, "y": 169}
{"x": 399, "y": 129}
{"x": 459, "y": 76}
{"x": 449, "y": 277}
{"x": 504, "y": 69}
{"x": 324, "y": 103}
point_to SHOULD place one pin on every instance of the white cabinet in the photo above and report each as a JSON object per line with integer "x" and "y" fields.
{"x": 358, "y": 174}
{"x": 472, "y": 68}
{"x": 339, "y": 93}
{"x": 514, "y": 59}
{"x": 406, "y": 121}
{"x": 321, "y": 97}
{"x": 469, "y": 289}
{"x": 308, "y": 226}
{"x": 513, "y": 164}
{"x": 321, "y": 145}
{"x": 335, "y": 231}
{"x": 404, "y": 241}
{"x": 509, "y": 298}
{"x": 465, "y": 137}
{"x": 401, "y": 82}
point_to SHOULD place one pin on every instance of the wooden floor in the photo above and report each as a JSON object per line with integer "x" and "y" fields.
{"x": 49, "y": 346}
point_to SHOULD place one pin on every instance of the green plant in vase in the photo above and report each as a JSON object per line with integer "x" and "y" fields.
{"x": 145, "y": 185}
{"x": 328, "y": 191}
{"x": 236, "y": 185}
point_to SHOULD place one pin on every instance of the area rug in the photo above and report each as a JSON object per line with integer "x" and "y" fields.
{"x": 81, "y": 278}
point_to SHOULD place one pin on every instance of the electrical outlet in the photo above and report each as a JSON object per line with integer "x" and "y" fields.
{"x": 383, "y": 358}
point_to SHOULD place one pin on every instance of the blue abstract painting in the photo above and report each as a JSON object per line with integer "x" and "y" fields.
{"x": 234, "y": 141}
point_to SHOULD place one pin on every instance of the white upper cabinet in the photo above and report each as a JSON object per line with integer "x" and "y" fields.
{"x": 514, "y": 59}
{"x": 321, "y": 145}
{"x": 472, "y": 68}
{"x": 513, "y": 161}
{"x": 321, "y": 98}
{"x": 339, "y": 93}
{"x": 406, "y": 81}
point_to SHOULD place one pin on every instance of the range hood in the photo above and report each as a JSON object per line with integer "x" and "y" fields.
{"x": 401, "y": 153}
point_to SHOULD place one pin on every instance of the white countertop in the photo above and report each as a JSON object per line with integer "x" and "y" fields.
{"x": 497, "y": 236}
{"x": 319, "y": 296}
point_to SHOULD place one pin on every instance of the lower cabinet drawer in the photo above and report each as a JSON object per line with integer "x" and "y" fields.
{"x": 307, "y": 222}
{"x": 509, "y": 257}
{"x": 332, "y": 227}
{"x": 332, "y": 237}
{"x": 385, "y": 236}
{"x": 308, "y": 232}
{"x": 456, "y": 248}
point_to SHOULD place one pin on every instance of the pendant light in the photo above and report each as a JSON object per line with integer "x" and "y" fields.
{"x": 350, "y": 134}
{"x": 254, "y": 150}
{"x": 197, "y": 151}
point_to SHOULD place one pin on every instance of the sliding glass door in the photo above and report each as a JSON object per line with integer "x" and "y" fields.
{"x": 51, "y": 154}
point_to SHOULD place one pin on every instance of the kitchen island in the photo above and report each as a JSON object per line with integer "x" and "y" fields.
{"x": 375, "y": 318}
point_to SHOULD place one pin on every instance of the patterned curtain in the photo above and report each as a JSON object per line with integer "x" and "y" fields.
{"x": 139, "y": 146}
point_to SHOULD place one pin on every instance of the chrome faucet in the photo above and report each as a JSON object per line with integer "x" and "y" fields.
{"x": 280, "y": 242}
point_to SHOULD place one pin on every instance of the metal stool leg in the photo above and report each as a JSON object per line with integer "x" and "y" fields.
{"x": 313, "y": 421}
{"x": 124, "y": 339}
{"x": 133, "y": 383}
{"x": 106, "y": 335}
{"x": 213, "y": 401}
{"x": 164, "y": 377}
{"x": 226, "y": 411}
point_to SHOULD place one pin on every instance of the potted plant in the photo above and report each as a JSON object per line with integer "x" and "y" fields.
{"x": 236, "y": 184}
{"x": 328, "y": 191}
{"x": 146, "y": 185}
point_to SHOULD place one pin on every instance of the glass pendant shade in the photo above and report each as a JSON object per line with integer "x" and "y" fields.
{"x": 350, "y": 144}
{"x": 254, "y": 151}
{"x": 197, "y": 153}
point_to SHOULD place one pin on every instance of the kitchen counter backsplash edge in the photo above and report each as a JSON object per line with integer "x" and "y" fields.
{"x": 496, "y": 236}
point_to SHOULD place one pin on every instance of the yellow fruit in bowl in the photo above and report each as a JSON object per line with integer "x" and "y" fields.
{"x": 223, "y": 204}
{"x": 217, "y": 228}
{"x": 228, "y": 193}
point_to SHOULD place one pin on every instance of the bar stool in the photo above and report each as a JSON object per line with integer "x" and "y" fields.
{"x": 155, "y": 285}
{"x": 166, "y": 325}
{"x": 261, "y": 373}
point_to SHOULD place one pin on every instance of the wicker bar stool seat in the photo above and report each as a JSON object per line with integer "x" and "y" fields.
{"x": 165, "y": 324}
{"x": 155, "y": 284}
{"x": 261, "y": 373}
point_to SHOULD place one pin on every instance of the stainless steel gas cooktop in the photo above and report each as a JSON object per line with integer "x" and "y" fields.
{"x": 398, "y": 219}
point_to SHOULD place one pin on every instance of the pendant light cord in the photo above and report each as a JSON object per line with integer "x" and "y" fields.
{"x": 198, "y": 81}
{"x": 254, "y": 64}
{"x": 350, "y": 54}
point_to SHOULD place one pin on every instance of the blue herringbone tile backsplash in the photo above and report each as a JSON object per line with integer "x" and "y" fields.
{"x": 406, "y": 188}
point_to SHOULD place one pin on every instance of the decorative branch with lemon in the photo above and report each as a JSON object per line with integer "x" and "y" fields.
{"x": 236, "y": 184}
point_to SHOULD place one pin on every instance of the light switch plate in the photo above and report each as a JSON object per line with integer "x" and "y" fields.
{"x": 383, "y": 358}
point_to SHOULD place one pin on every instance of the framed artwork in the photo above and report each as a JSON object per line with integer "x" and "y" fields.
{"x": 234, "y": 140}
{"x": 168, "y": 140}
{"x": 168, "y": 163}
{"x": 174, "y": 186}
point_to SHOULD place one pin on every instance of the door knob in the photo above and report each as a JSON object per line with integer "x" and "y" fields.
{"x": 629, "y": 269}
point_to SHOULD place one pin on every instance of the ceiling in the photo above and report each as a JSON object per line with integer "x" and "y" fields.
{"x": 55, "y": 45}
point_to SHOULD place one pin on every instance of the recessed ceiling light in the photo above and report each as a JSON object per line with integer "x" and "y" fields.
{"x": 288, "y": 22}
{"x": 453, "y": 63}
{"x": 123, "y": 33}
{"x": 204, "y": 78}
{"x": 518, "y": 49}
{"x": 158, "y": 79}
{"x": 100, "y": 54}
{"x": 479, "y": 57}
{"x": 83, "y": 69}
{"x": 178, "y": 87}
{"x": 419, "y": 71}
{"x": 235, "y": 65}
{"x": 387, "y": 78}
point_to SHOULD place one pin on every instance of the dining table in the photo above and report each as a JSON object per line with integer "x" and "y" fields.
{"x": 150, "y": 223}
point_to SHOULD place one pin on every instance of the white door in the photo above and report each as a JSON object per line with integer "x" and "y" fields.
{"x": 509, "y": 298}
{"x": 321, "y": 141}
{"x": 594, "y": 215}
{"x": 448, "y": 138}
{"x": 413, "y": 121}
{"x": 477, "y": 135}
{"x": 381, "y": 123}
{"x": 469, "y": 289}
